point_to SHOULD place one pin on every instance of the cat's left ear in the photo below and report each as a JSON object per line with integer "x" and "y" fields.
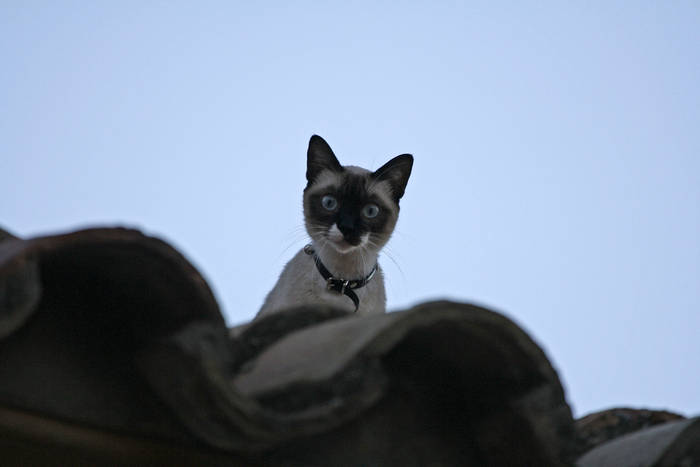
{"x": 396, "y": 172}
{"x": 320, "y": 157}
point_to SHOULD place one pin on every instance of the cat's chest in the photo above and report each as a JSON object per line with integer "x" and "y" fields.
{"x": 368, "y": 296}
{"x": 302, "y": 284}
{"x": 313, "y": 289}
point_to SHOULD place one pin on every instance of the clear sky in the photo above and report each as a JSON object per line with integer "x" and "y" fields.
{"x": 557, "y": 155}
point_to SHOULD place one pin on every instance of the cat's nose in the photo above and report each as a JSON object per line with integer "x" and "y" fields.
{"x": 346, "y": 223}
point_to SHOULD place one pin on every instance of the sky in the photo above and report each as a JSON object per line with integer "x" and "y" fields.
{"x": 556, "y": 144}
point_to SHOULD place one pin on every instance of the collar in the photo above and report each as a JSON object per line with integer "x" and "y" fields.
{"x": 341, "y": 286}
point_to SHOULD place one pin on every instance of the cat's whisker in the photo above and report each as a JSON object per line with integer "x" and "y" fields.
{"x": 295, "y": 242}
{"x": 391, "y": 258}
{"x": 300, "y": 230}
{"x": 296, "y": 238}
{"x": 389, "y": 254}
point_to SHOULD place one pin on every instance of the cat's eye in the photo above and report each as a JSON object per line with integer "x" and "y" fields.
{"x": 329, "y": 203}
{"x": 370, "y": 211}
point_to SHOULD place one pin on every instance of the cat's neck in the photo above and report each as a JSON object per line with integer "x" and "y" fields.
{"x": 355, "y": 264}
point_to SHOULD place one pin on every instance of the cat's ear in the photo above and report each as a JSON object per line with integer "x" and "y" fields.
{"x": 396, "y": 172}
{"x": 320, "y": 157}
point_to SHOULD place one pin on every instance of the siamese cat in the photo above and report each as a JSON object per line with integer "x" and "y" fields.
{"x": 349, "y": 213}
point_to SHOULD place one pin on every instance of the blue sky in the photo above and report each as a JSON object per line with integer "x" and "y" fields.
{"x": 557, "y": 155}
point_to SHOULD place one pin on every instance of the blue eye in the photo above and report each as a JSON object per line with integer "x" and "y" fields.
{"x": 329, "y": 203}
{"x": 370, "y": 211}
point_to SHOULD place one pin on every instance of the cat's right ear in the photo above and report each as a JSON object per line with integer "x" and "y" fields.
{"x": 320, "y": 157}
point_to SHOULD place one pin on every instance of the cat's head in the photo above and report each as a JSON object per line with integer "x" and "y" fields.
{"x": 348, "y": 207}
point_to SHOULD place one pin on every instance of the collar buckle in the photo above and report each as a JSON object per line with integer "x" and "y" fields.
{"x": 337, "y": 285}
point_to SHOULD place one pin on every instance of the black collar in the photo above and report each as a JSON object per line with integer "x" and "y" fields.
{"x": 341, "y": 286}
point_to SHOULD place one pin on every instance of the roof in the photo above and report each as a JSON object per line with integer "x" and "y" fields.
{"x": 113, "y": 351}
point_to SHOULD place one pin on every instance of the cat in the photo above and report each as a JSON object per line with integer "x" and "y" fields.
{"x": 350, "y": 214}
